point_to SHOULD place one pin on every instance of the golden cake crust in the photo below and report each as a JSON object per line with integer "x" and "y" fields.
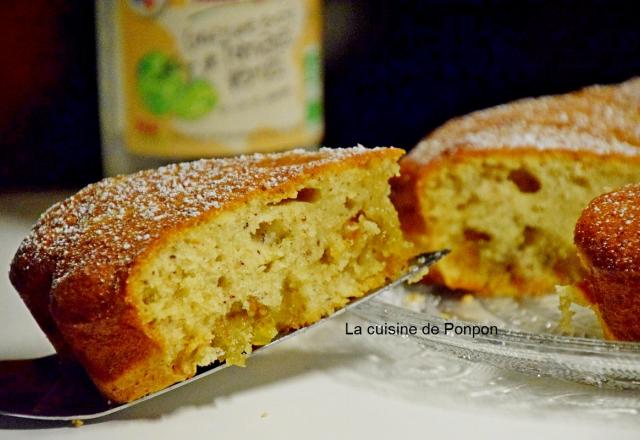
{"x": 72, "y": 270}
{"x": 607, "y": 236}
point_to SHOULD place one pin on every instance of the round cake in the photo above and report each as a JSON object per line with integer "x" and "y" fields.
{"x": 503, "y": 187}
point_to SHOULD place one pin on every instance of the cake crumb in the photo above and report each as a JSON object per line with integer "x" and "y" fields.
{"x": 414, "y": 298}
{"x": 77, "y": 423}
{"x": 467, "y": 299}
{"x": 418, "y": 276}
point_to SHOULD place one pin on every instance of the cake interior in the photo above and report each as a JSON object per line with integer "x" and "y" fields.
{"x": 216, "y": 290}
{"x": 509, "y": 216}
{"x": 569, "y": 298}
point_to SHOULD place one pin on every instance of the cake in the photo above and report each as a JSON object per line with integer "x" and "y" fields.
{"x": 503, "y": 187}
{"x": 607, "y": 236}
{"x": 143, "y": 278}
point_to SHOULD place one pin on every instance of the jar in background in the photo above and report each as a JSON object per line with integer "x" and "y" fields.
{"x": 184, "y": 79}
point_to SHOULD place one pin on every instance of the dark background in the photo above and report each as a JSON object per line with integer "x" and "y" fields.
{"x": 394, "y": 70}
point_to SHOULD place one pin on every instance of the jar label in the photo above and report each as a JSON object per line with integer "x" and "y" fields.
{"x": 220, "y": 77}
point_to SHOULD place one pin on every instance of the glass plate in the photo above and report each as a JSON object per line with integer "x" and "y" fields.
{"x": 527, "y": 340}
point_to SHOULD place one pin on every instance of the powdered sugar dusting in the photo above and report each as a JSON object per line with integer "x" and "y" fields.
{"x": 608, "y": 232}
{"x": 114, "y": 220}
{"x": 599, "y": 119}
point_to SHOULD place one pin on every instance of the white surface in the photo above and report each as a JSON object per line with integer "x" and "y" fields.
{"x": 324, "y": 384}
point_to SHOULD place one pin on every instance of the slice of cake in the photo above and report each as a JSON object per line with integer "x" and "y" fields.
{"x": 143, "y": 278}
{"x": 504, "y": 187}
{"x": 607, "y": 236}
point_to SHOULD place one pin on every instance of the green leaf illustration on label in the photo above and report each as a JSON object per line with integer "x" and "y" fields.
{"x": 196, "y": 100}
{"x": 166, "y": 89}
{"x": 313, "y": 84}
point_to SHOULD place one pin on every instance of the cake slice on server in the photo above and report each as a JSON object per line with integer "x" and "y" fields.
{"x": 504, "y": 187}
{"x": 143, "y": 278}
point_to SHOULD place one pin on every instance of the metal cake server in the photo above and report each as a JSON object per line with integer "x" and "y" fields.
{"x": 45, "y": 389}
